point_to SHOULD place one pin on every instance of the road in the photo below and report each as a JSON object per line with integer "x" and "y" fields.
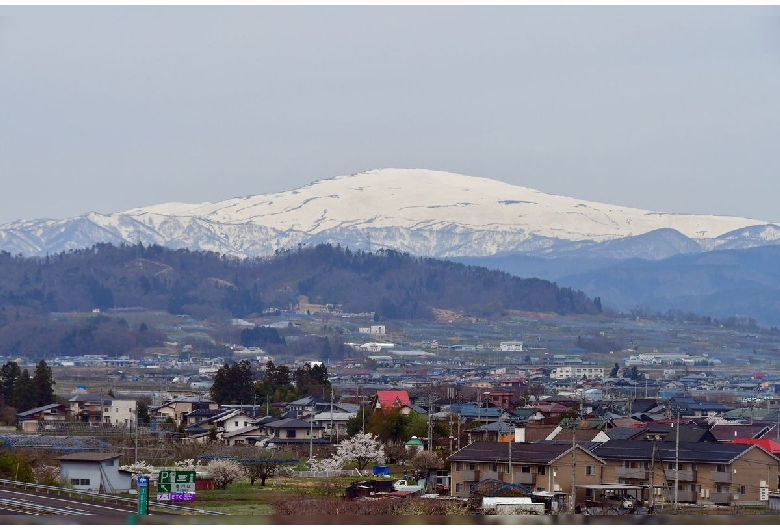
{"x": 15, "y": 501}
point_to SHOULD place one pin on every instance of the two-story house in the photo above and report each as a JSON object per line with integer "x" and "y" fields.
{"x": 102, "y": 409}
{"x": 693, "y": 472}
{"x": 178, "y": 409}
{"x": 540, "y": 466}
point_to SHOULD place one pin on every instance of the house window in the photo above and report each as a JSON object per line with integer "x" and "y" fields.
{"x": 236, "y": 423}
{"x": 541, "y": 470}
{"x": 246, "y": 423}
{"x": 473, "y": 466}
{"x": 106, "y": 409}
{"x": 590, "y": 470}
{"x": 291, "y": 433}
{"x": 459, "y": 487}
{"x": 720, "y": 468}
{"x": 79, "y": 481}
{"x": 457, "y": 466}
{"x": 525, "y": 469}
{"x": 109, "y": 463}
{"x": 494, "y": 467}
{"x": 742, "y": 490}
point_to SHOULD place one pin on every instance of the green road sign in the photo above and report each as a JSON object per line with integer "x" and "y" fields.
{"x": 175, "y": 481}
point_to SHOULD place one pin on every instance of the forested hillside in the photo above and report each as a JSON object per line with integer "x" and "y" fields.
{"x": 206, "y": 285}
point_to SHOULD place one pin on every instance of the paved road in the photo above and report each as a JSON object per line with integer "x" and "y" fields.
{"x": 73, "y": 506}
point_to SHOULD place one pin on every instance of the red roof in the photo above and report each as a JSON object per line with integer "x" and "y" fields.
{"x": 393, "y": 398}
{"x": 770, "y": 445}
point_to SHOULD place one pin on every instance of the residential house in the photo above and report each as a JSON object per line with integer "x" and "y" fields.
{"x": 178, "y": 409}
{"x": 103, "y": 409}
{"x": 703, "y": 472}
{"x": 289, "y": 431}
{"x": 35, "y": 420}
{"x": 541, "y": 466}
{"x": 393, "y": 399}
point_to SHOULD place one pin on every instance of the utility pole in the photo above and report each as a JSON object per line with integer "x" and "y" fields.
{"x": 652, "y": 476}
{"x": 311, "y": 435}
{"x": 511, "y": 471}
{"x": 430, "y": 422}
{"x": 573, "y": 467}
{"x": 331, "y": 416}
{"x": 136, "y": 432}
{"x": 677, "y": 460}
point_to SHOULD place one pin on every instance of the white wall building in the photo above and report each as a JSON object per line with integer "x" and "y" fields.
{"x": 94, "y": 472}
{"x": 577, "y": 372}
{"x": 511, "y": 345}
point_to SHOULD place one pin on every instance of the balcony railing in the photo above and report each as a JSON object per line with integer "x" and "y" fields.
{"x": 469, "y": 476}
{"x": 722, "y": 477}
{"x": 682, "y": 496}
{"x": 720, "y": 498}
{"x": 683, "y": 475}
{"x": 632, "y": 473}
{"x": 525, "y": 478}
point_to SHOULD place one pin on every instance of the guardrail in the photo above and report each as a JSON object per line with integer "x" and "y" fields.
{"x": 102, "y": 496}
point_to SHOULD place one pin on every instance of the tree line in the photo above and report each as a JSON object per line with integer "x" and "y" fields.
{"x": 20, "y": 390}
{"x": 389, "y": 283}
{"x": 239, "y": 384}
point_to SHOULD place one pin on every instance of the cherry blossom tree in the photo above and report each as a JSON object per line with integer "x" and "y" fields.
{"x": 362, "y": 449}
{"x": 224, "y": 472}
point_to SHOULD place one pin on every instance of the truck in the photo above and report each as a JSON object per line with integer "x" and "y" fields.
{"x": 403, "y": 485}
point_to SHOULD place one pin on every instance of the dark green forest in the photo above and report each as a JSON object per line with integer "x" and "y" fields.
{"x": 387, "y": 284}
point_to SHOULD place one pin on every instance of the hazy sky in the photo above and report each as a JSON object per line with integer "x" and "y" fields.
{"x": 109, "y": 108}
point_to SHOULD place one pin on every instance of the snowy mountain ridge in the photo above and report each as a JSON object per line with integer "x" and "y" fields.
{"x": 423, "y": 212}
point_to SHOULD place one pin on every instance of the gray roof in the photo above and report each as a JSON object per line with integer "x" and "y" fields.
{"x": 290, "y": 423}
{"x": 666, "y": 451}
{"x": 90, "y": 457}
{"x": 522, "y": 453}
{"x": 39, "y": 409}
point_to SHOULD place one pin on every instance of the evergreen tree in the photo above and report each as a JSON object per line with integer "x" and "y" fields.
{"x": 9, "y": 374}
{"x": 234, "y": 384}
{"x": 24, "y": 395}
{"x": 44, "y": 383}
{"x": 143, "y": 413}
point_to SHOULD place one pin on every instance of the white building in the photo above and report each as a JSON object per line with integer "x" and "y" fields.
{"x": 577, "y": 372}
{"x": 511, "y": 345}
{"x": 372, "y": 330}
{"x": 95, "y": 472}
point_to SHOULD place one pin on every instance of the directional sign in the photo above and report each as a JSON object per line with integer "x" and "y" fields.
{"x": 175, "y": 496}
{"x": 176, "y": 482}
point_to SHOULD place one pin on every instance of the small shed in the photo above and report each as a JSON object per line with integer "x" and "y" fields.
{"x": 414, "y": 444}
{"x": 95, "y": 472}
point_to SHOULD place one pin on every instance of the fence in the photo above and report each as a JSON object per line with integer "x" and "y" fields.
{"x": 334, "y": 473}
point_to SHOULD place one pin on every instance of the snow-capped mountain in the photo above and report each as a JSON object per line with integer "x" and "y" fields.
{"x": 423, "y": 212}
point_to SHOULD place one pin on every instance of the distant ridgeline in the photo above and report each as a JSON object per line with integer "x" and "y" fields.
{"x": 387, "y": 283}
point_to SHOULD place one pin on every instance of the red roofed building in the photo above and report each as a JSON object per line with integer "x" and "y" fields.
{"x": 393, "y": 399}
{"x": 770, "y": 445}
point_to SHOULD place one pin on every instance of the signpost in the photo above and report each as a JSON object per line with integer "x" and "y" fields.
{"x": 143, "y": 494}
{"x": 176, "y": 485}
